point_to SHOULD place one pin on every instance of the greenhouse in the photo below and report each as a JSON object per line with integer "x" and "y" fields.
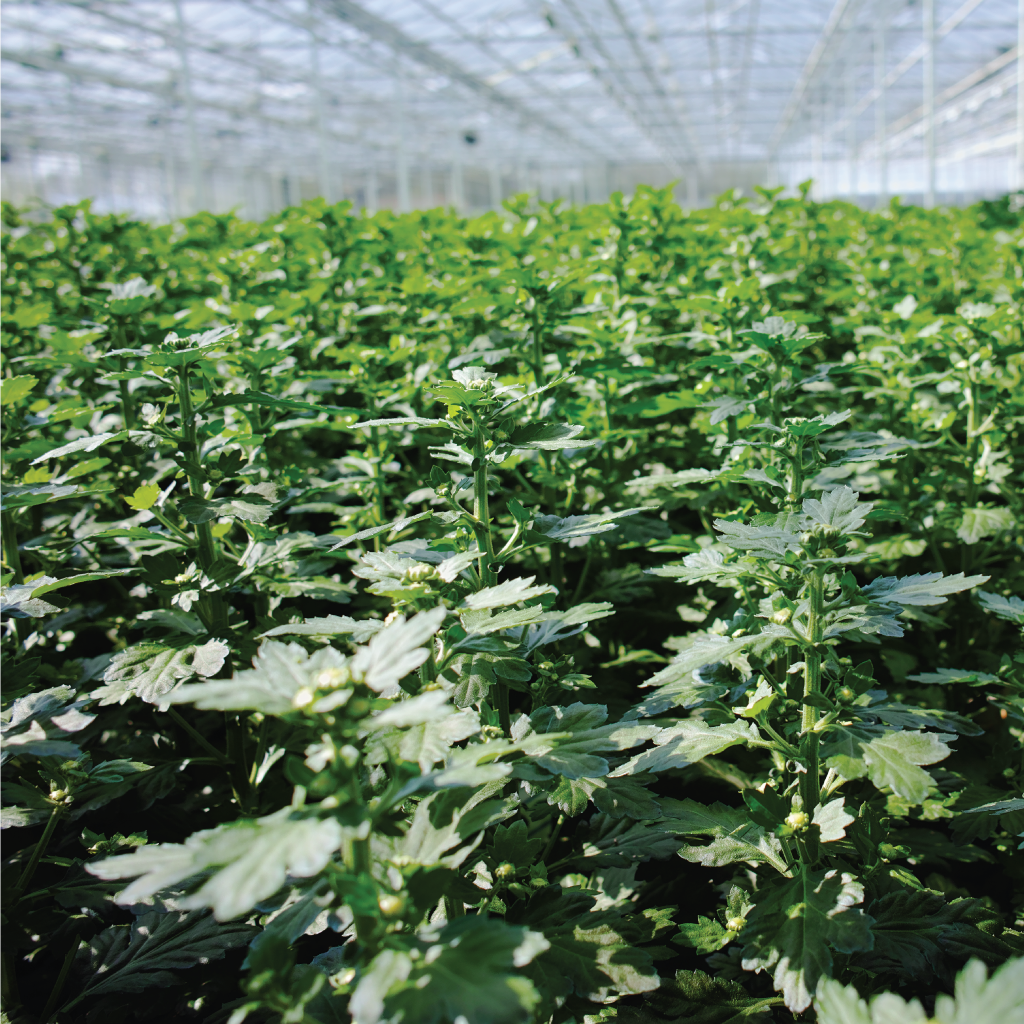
{"x": 512, "y": 512}
{"x": 164, "y": 108}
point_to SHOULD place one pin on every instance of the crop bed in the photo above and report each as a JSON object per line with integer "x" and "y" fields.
{"x": 572, "y": 615}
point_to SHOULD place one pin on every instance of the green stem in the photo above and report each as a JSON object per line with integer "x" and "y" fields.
{"x": 180, "y": 534}
{"x": 12, "y": 555}
{"x": 812, "y": 684}
{"x": 235, "y": 728}
{"x": 58, "y": 987}
{"x": 37, "y": 852}
{"x": 538, "y": 347}
{"x": 206, "y": 554}
{"x": 198, "y": 737}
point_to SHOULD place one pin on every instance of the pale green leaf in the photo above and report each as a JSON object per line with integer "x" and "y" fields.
{"x": 925, "y": 589}
{"x": 978, "y": 523}
{"x": 249, "y": 861}
{"x": 687, "y": 743}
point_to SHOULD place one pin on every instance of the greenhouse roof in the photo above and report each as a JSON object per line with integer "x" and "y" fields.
{"x": 685, "y": 85}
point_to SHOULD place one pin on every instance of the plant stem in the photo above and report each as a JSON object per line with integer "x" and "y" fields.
{"x": 58, "y": 987}
{"x": 812, "y": 684}
{"x": 197, "y": 736}
{"x": 538, "y": 347}
{"x": 206, "y": 554}
{"x": 12, "y": 555}
{"x": 37, "y": 852}
{"x": 235, "y": 727}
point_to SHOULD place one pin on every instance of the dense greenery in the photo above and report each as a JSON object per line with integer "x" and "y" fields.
{"x": 564, "y": 614}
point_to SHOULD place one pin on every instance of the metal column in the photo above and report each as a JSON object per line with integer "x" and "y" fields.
{"x": 322, "y": 164}
{"x": 401, "y": 157}
{"x": 195, "y": 166}
{"x": 928, "y": 26}
{"x": 1020, "y": 95}
{"x": 881, "y": 113}
{"x": 851, "y": 135}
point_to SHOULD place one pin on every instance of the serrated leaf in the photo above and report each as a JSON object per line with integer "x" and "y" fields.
{"x": 923, "y": 590}
{"x": 1010, "y": 608}
{"x": 687, "y": 743}
{"x": 149, "y": 671}
{"x": 705, "y": 935}
{"x": 765, "y": 541}
{"x": 839, "y": 509}
{"x": 132, "y": 958}
{"x": 279, "y": 671}
{"x": 250, "y": 508}
{"x": 376, "y": 531}
{"x": 978, "y": 523}
{"x": 794, "y": 925}
{"x": 83, "y": 444}
{"x": 483, "y": 622}
{"x": 548, "y": 436}
{"x": 84, "y": 577}
{"x": 249, "y": 861}
{"x": 580, "y": 527}
{"x": 396, "y": 651}
{"x": 13, "y": 389}
{"x": 507, "y": 593}
{"x": 734, "y": 837}
{"x": 893, "y": 761}
{"x": 329, "y": 625}
{"x": 698, "y": 998}
{"x": 587, "y": 953}
{"x": 474, "y": 972}
{"x": 832, "y": 819}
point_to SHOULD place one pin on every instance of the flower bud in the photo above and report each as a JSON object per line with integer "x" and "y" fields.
{"x": 390, "y": 904}
{"x": 505, "y": 870}
{"x": 798, "y": 820}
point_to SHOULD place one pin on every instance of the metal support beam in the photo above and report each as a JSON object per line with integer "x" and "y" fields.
{"x": 195, "y": 165}
{"x": 404, "y": 198}
{"x": 322, "y": 165}
{"x": 928, "y": 99}
{"x": 881, "y": 114}
{"x": 404, "y": 45}
{"x": 1020, "y": 95}
{"x": 808, "y": 74}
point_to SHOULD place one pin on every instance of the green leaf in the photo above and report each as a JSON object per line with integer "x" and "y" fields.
{"x": 376, "y": 531}
{"x": 1010, "y": 608}
{"x": 838, "y": 509}
{"x": 580, "y": 527}
{"x": 14, "y": 389}
{"x": 83, "y": 444}
{"x": 132, "y": 958}
{"x": 147, "y": 670}
{"x": 250, "y": 508}
{"x": 925, "y": 589}
{"x": 893, "y": 760}
{"x": 144, "y": 498}
{"x": 474, "y": 972}
{"x": 978, "y": 523}
{"x": 249, "y": 861}
{"x": 832, "y": 819}
{"x": 85, "y": 577}
{"x": 576, "y": 755}
{"x": 705, "y": 936}
{"x": 734, "y": 837}
{"x": 978, "y": 1000}
{"x": 507, "y": 593}
{"x": 587, "y": 952}
{"x": 548, "y": 436}
{"x": 766, "y": 541}
{"x": 687, "y": 743}
{"x": 794, "y": 925}
{"x": 482, "y": 622}
{"x": 697, "y": 998}
{"x": 329, "y": 625}
{"x": 511, "y": 843}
